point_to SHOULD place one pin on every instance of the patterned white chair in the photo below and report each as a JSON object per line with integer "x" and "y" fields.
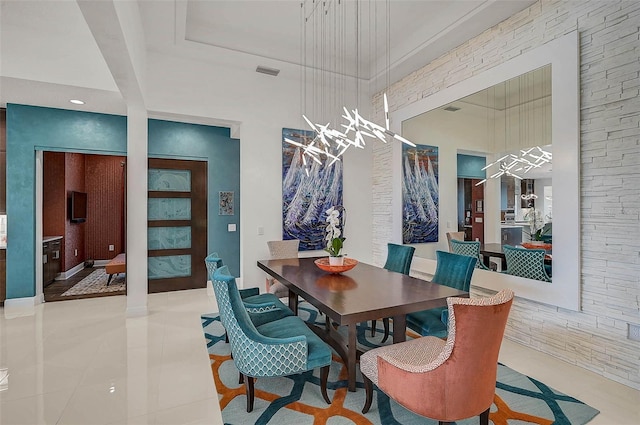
{"x": 279, "y": 250}
{"x": 468, "y": 248}
{"x": 525, "y": 262}
{"x": 447, "y": 381}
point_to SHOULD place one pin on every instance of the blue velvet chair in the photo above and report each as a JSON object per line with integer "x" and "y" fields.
{"x": 262, "y": 308}
{"x": 469, "y": 248}
{"x": 452, "y": 270}
{"x": 279, "y": 348}
{"x": 525, "y": 262}
{"x": 399, "y": 259}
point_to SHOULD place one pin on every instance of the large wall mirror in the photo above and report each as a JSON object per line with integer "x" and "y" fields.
{"x": 527, "y": 104}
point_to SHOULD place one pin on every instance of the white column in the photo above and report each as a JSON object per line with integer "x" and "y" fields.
{"x": 136, "y": 224}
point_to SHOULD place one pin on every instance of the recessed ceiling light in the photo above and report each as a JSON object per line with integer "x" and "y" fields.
{"x": 76, "y": 102}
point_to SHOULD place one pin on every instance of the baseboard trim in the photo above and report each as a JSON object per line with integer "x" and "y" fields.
{"x": 72, "y": 271}
{"x": 19, "y": 307}
{"x": 100, "y": 263}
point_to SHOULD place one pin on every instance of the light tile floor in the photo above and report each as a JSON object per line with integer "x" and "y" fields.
{"x": 84, "y": 362}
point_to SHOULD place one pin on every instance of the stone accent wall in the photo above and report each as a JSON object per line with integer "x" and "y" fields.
{"x": 595, "y": 338}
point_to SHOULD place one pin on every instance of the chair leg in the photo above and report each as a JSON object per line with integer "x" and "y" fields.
{"x": 373, "y": 327}
{"x": 248, "y": 384}
{"x": 385, "y": 322}
{"x": 368, "y": 386}
{"x": 324, "y": 376}
{"x": 484, "y": 417}
{"x": 240, "y": 378}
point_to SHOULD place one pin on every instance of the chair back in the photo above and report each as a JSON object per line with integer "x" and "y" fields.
{"x": 458, "y": 236}
{"x": 476, "y": 329}
{"x": 468, "y": 248}
{"x": 283, "y": 249}
{"x": 399, "y": 258}
{"x": 454, "y": 270}
{"x": 527, "y": 263}
{"x": 213, "y": 262}
{"x": 252, "y": 352}
{"x": 460, "y": 382}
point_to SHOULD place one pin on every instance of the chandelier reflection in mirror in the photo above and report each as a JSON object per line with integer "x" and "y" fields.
{"x": 336, "y": 34}
{"x": 511, "y": 164}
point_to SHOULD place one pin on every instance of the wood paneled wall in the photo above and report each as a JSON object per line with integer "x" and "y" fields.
{"x": 54, "y": 198}
{"x": 74, "y": 236}
{"x": 104, "y": 181}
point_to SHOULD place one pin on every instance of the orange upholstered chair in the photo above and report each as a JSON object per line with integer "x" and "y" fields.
{"x": 447, "y": 381}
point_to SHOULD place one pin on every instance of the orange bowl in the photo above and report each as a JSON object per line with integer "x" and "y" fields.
{"x": 323, "y": 264}
{"x": 545, "y": 246}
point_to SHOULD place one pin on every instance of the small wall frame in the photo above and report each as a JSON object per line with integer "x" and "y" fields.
{"x": 225, "y": 202}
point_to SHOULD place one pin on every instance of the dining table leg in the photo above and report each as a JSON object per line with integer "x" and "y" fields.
{"x": 351, "y": 356}
{"x": 399, "y": 328}
{"x": 293, "y": 302}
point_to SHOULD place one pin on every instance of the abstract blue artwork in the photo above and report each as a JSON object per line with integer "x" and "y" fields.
{"x": 306, "y": 198}
{"x": 419, "y": 194}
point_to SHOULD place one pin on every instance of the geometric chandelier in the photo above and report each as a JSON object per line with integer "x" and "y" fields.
{"x": 511, "y": 164}
{"x": 355, "y": 131}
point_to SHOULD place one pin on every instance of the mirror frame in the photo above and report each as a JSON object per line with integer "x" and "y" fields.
{"x": 563, "y": 55}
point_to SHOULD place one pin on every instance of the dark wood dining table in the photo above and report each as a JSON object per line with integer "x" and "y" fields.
{"x": 488, "y": 250}
{"x": 363, "y": 293}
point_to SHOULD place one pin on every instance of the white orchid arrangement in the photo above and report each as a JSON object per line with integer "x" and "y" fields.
{"x": 536, "y": 224}
{"x": 334, "y": 239}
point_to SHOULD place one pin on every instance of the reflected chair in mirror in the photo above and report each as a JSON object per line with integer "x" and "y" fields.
{"x": 280, "y": 250}
{"x": 262, "y": 308}
{"x": 452, "y": 270}
{"x": 399, "y": 259}
{"x": 281, "y": 347}
{"x": 528, "y": 263}
{"x": 446, "y": 381}
{"x": 468, "y": 248}
{"x": 459, "y": 236}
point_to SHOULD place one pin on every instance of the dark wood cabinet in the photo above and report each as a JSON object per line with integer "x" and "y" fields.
{"x": 3, "y": 199}
{"x": 51, "y": 261}
{"x": 473, "y": 198}
{"x": 3, "y": 269}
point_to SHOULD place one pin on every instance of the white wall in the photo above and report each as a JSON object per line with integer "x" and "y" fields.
{"x": 198, "y": 86}
{"x": 596, "y": 337}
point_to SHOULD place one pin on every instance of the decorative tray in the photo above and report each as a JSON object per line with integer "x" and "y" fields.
{"x": 323, "y": 263}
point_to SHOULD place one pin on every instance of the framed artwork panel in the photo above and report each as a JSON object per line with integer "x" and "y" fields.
{"x": 309, "y": 189}
{"x": 419, "y": 194}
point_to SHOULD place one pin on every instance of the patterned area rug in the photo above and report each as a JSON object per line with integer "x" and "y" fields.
{"x": 96, "y": 282}
{"x": 297, "y": 399}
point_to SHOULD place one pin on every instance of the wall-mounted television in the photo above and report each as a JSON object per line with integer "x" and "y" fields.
{"x": 78, "y": 207}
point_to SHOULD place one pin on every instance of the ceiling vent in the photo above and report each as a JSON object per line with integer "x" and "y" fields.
{"x": 269, "y": 71}
{"x": 451, "y": 109}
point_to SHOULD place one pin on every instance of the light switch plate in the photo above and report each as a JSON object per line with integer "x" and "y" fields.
{"x": 231, "y": 227}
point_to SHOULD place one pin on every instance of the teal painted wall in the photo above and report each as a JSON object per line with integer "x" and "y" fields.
{"x": 470, "y": 166}
{"x": 31, "y": 128}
